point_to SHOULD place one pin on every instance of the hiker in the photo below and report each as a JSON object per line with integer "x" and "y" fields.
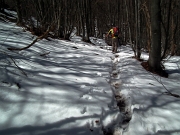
{"x": 114, "y": 32}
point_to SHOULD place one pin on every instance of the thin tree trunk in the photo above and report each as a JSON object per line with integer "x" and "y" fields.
{"x": 148, "y": 25}
{"x": 129, "y": 29}
{"x": 19, "y": 13}
{"x": 167, "y": 38}
{"x": 138, "y": 48}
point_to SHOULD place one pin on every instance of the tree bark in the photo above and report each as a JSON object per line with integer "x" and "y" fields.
{"x": 155, "y": 52}
{"x": 138, "y": 46}
{"x": 19, "y": 13}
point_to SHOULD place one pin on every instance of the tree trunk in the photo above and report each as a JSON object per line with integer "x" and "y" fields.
{"x": 2, "y": 4}
{"x": 155, "y": 52}
{"x": 19, "y": 13}
{"x": 127, "y": 17}
{"x": 167, "y": 29}
{"x": 138, "y": 46}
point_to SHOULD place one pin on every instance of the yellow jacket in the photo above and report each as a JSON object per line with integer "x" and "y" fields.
{"x": 111, "y": 31}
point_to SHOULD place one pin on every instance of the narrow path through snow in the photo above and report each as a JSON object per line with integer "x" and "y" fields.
{"x": 122, "y": 101}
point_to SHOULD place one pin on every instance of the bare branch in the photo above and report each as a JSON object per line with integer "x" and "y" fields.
{"x": 18, "y": 66}
{"x": 36, "y": 40}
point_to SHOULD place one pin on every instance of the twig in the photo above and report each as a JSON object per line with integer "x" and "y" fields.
{"x": 171, "y": 94}
{"x": 18, "y": 66}
{"x": 14, "y": 63}
{"x": 168, "y": 92}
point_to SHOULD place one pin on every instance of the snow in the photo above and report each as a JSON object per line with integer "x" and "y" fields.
{"x": 71, "y": 89}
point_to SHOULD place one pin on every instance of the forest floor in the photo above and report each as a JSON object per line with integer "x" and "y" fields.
{"x": 71, "y": 87}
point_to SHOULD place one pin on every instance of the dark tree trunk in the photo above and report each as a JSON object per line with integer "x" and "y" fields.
{"x": 19, "y": 12}
{"x": 155, "y": 52}
{"x": 2, "y": 5}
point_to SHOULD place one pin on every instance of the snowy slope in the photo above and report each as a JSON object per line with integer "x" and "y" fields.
{"x": 66, "y": 91}
{"x": 154, "y": 112}
{"x": 68, "y": 87}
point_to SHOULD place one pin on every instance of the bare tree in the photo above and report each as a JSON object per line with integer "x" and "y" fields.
{"x": 19, "y": 12}
{"x": 2, "y": 5}
{"x": 155, "y": 52}
{"x": 95, "y": 17}
{"x": 138, "y": 43}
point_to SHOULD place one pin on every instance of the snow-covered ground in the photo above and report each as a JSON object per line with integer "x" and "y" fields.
{"x": 68, "y": 88}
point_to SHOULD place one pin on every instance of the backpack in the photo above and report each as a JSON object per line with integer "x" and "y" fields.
{"x": 116, "y": 31}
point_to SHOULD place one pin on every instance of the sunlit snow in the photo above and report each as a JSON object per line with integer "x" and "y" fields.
{"x": 70, "y": 91}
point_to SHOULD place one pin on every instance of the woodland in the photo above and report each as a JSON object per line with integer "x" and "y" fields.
{"x": 147, "y": 25}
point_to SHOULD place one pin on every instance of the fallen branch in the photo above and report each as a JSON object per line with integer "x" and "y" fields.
{"x": 36, "y": 40}
{"x": 167, "y": 91}
{"x": 171, "y": 94}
